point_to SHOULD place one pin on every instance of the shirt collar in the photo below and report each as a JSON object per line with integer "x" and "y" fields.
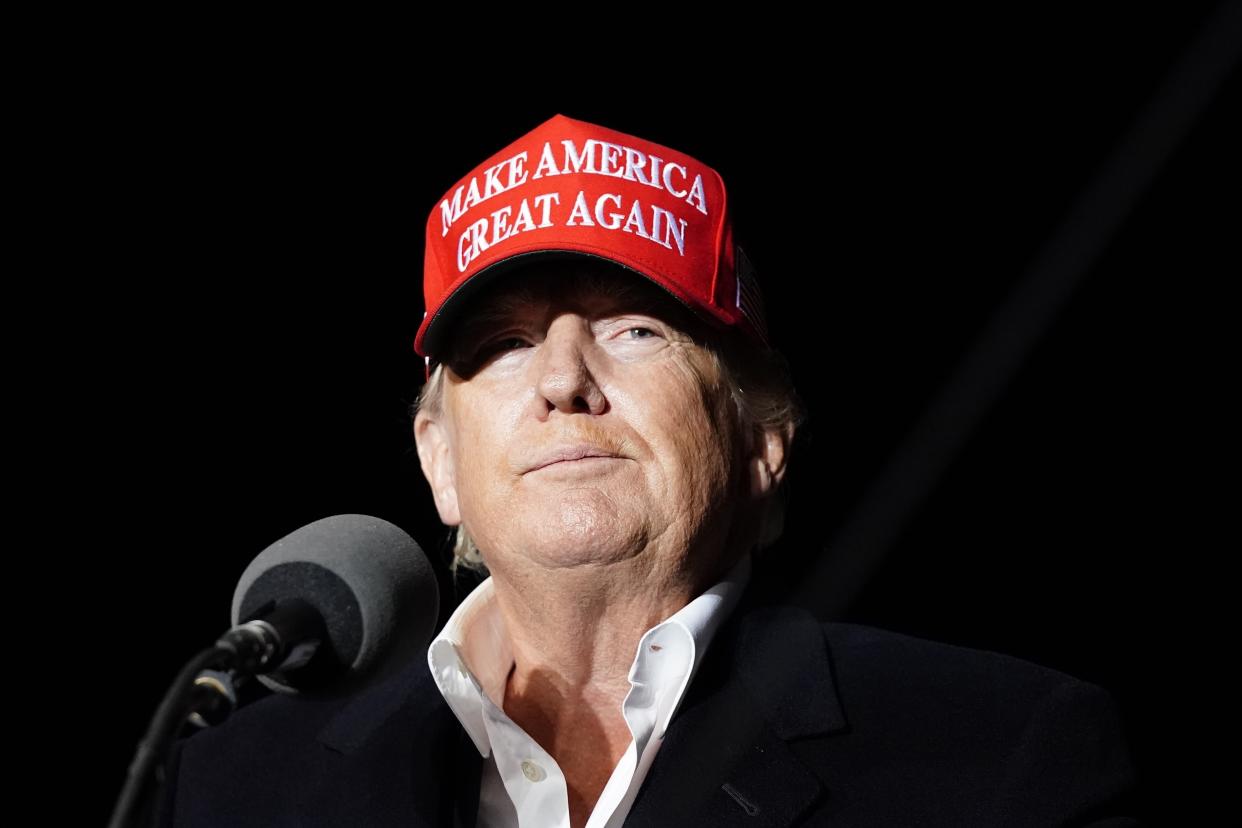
{"x": 472, "y": 655}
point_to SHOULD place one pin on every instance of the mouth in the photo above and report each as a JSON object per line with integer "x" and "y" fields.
{"x": 568, "y": 455}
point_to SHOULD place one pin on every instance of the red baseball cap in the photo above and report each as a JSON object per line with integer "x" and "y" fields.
{"x": 570, "y": 187}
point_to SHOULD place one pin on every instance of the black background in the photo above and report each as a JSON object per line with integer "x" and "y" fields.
{"x": 238, "y": 336}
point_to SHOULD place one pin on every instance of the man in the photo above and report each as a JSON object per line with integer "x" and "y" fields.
{"x": 606, "y": 426}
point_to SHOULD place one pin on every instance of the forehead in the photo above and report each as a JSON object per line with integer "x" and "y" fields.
{"x": 589, "y": 286}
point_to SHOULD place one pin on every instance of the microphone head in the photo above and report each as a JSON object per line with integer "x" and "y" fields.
{"x": 369, "y": 580}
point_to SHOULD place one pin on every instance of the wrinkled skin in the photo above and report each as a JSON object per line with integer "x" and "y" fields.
{"x": 627, "y": 374}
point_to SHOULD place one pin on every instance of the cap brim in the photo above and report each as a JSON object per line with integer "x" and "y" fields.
{"x": 447, "y": 315}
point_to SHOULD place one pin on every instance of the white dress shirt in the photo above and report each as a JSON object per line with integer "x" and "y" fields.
{"x": 522, "y": 786}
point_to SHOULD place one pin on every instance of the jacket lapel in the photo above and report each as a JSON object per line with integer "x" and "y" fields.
{"x": 403, "y": 756}
{"x": 725, "y": 759}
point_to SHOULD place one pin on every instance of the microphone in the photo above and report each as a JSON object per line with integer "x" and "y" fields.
{"x": 339, "y": 603}
{"x": 342, "y": 601}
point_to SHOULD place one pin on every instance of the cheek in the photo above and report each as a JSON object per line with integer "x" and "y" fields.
{"x": 479, "y": 447}
{"x": 713, "y": 454}
{"x": 699, "y": 435}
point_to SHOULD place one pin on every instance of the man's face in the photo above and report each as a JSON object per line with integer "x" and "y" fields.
{"x": 551, "y": 364}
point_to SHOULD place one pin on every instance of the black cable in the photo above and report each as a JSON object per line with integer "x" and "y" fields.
{"x": 146, "y": 770}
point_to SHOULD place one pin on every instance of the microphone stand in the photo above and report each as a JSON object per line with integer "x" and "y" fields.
{"x": 146, "y": 771}
{"x": 204, "y": 693}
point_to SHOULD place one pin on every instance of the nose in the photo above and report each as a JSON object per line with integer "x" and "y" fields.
{"x": 565, "y": 379}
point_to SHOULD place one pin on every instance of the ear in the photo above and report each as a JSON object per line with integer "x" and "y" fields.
{"x": 436, "y": 457}
{"x": 769, "y": 454}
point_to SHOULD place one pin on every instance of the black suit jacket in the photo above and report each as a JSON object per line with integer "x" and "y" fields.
{"x": 789, "y": 721}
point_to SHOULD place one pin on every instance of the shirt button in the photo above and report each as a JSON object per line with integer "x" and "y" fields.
{"x": 532, "y": 771}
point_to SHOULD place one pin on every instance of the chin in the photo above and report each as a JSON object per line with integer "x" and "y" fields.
{"x": 582, "y": 531}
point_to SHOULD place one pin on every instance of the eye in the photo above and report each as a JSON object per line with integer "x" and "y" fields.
{"x": 642, "y": 330}
{"x": 498, "y": 346}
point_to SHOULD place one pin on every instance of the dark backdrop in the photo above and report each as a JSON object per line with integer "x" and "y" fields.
{"x": 241, "y": 359}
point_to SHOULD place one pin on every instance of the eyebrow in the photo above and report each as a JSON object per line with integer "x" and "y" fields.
{"x": 628, "y": 295}
{"x": 490, "y": 313}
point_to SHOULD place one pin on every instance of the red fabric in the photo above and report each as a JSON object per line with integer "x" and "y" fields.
{"x": 572, "y": 185}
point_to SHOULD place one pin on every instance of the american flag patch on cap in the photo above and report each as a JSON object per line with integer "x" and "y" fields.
{"x": 749, "y": 297}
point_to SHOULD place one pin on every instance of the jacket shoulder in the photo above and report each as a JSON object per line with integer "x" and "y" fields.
{"x": 1018, "y": 741}
{"x": 269, "y": 756}
{"x": 905, "y": 660}
{"x": 876, "y": 659}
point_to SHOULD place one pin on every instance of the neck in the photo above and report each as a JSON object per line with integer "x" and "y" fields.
{"x": 574, "y": 630}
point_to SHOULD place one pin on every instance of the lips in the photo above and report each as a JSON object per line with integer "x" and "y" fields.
{"x": 575, "y": 452}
